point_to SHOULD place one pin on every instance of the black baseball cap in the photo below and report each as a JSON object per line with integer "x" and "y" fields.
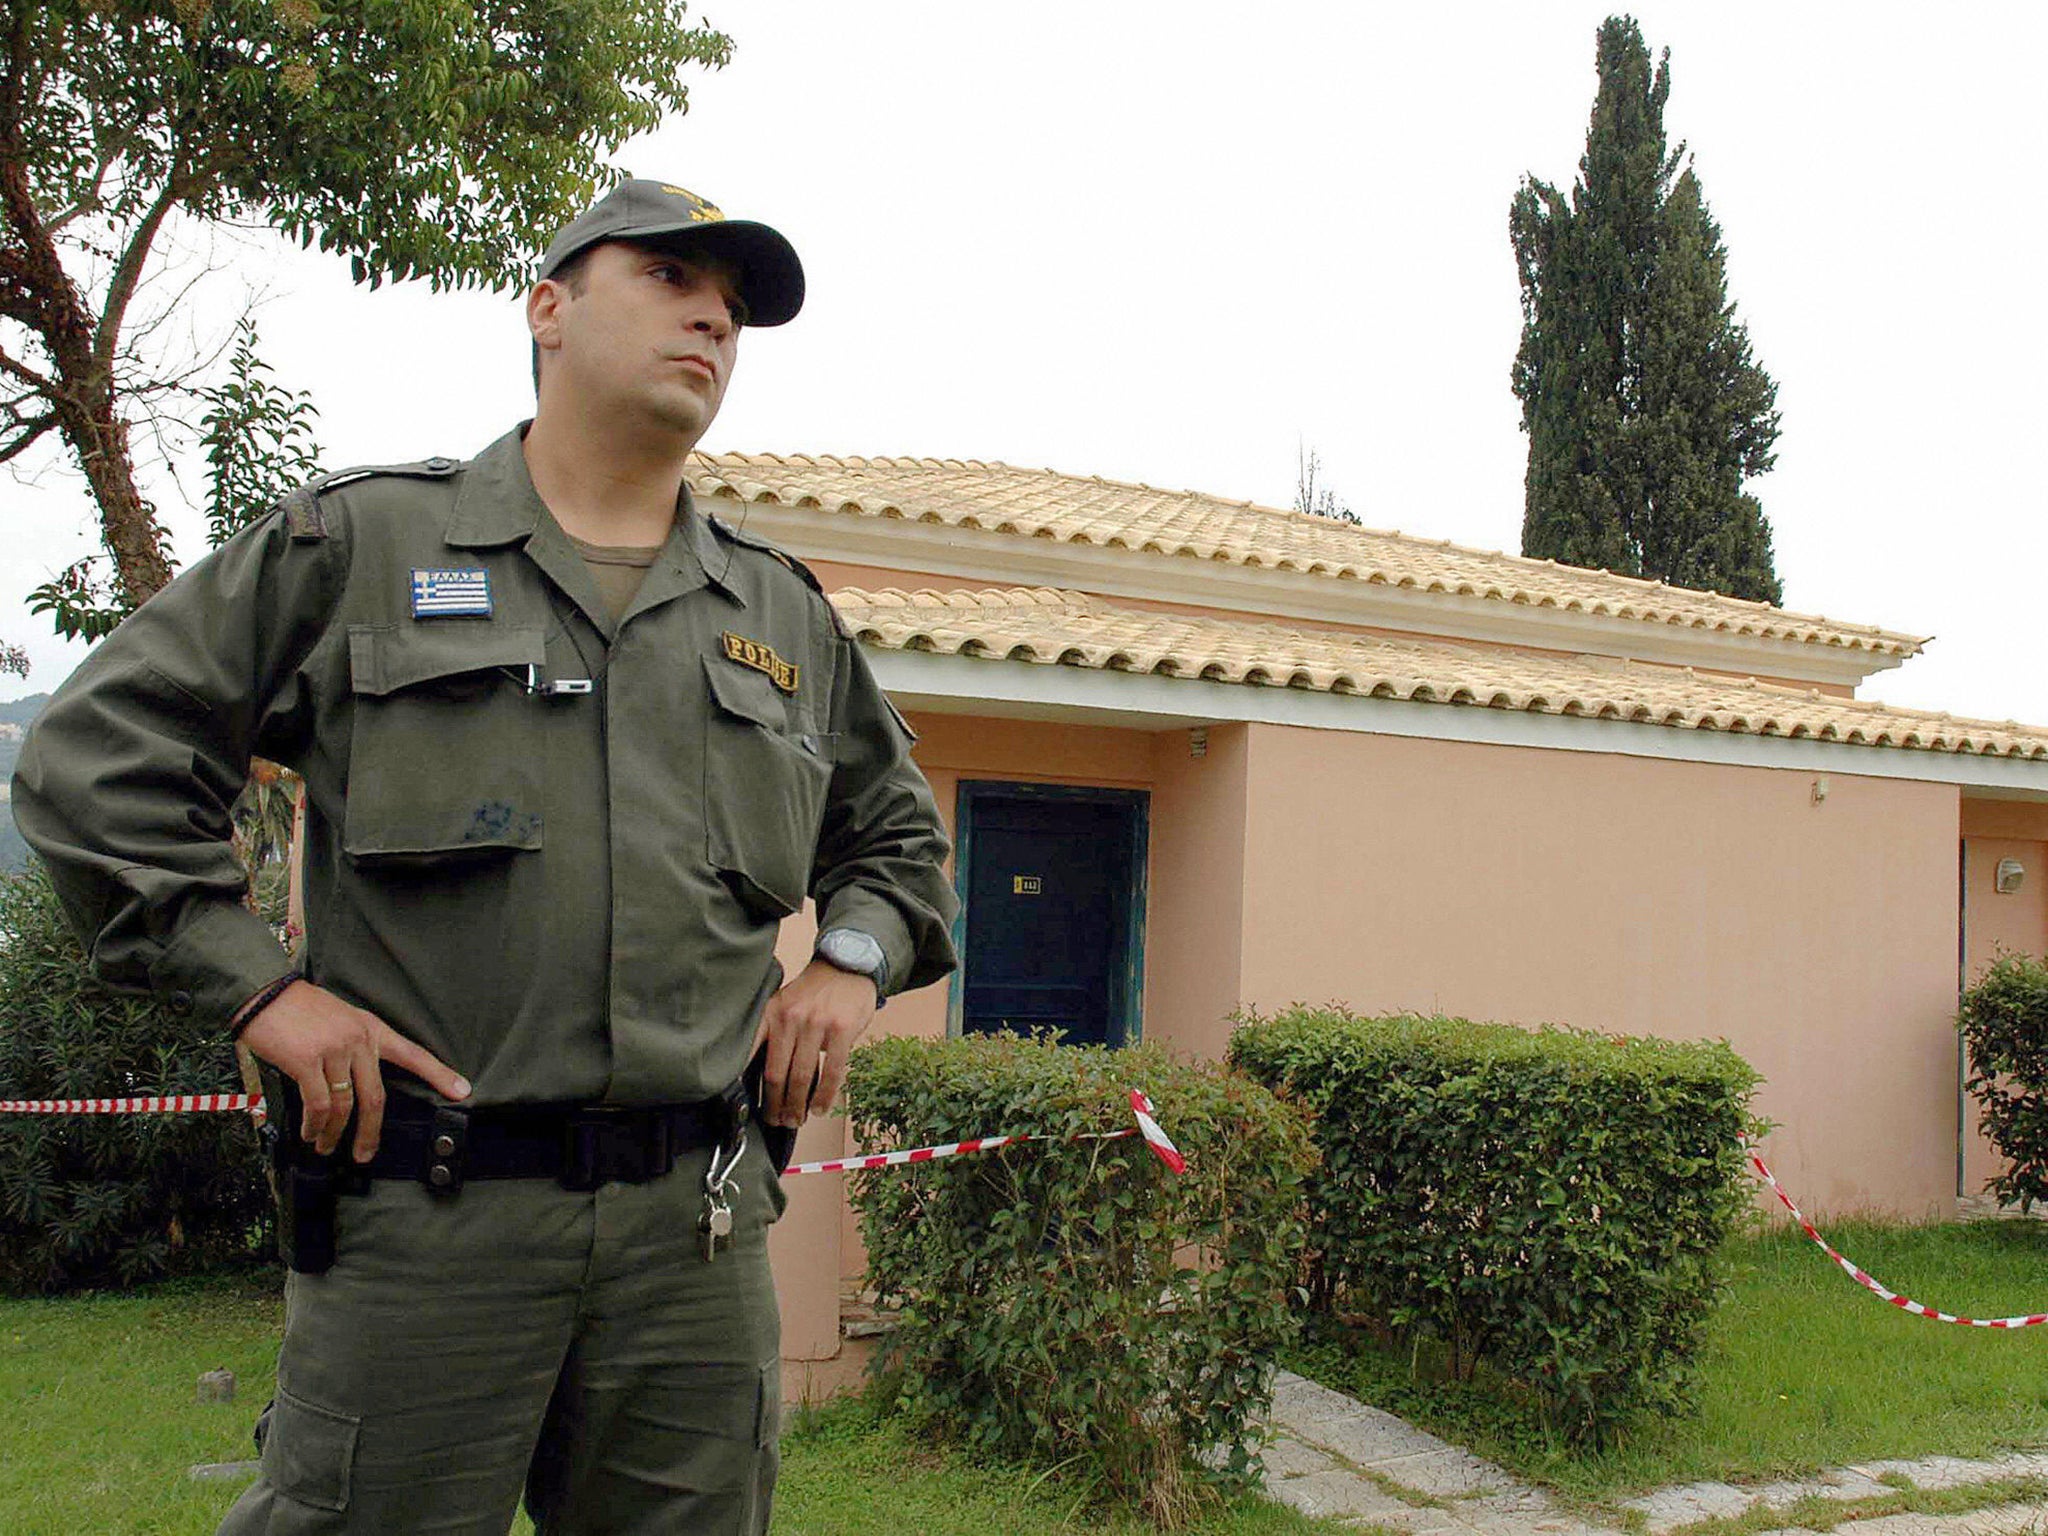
{"x": 771, "y": 279}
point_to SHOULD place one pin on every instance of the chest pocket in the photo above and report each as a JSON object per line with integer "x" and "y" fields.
{"x": 442, "y": 755}
{"x": 765, "y": 777}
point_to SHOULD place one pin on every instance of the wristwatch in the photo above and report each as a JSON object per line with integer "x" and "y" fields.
{"x": 860, "y": 953}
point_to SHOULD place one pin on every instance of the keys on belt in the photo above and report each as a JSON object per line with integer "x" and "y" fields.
{"x": 715, "y": 1225}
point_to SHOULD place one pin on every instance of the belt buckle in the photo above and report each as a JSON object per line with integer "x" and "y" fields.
{"x": 603, "y": 1144}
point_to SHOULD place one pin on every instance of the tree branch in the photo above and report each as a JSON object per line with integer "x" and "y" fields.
{"x": 128, "y": 273}
{"x": 30, "y": 432}
{"x": 41, "y": 383}
{"x": 89, "y": 203}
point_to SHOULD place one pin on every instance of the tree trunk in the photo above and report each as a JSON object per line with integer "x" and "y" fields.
{"x": 36, "y": 292}
{"x": 127, "y": 522}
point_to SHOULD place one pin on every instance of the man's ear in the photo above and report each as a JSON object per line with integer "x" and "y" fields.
{"x": 544, "y": 312}
{"x": 543, "y": 319}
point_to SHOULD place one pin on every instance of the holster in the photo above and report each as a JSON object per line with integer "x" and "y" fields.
{"x": 778, "y": 1141}
{"x": 305, "y": 1183}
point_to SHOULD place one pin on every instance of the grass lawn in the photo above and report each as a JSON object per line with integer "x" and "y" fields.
{"x": 1802, "y": 1369}
{"x": 98, "y": 1426}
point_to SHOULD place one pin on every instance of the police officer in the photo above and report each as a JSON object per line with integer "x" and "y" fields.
{"x": 571, "y": 751}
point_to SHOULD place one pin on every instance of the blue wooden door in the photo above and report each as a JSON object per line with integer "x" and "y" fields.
{"x": 1049, "y": 914}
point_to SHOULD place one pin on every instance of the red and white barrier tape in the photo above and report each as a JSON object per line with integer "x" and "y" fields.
{"x": 162, "y": 1104}
{"x": 199, "y": 1103}
{"x": 1903, "y": 1303}
{"x": 1161, "y": 1145}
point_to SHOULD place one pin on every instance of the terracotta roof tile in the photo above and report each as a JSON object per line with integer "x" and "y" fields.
{"x": 1049, "y": 627}
{"x": 1036, "y": 503}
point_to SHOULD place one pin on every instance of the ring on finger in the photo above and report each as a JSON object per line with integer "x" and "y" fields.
{"x": 344, "y": 1086}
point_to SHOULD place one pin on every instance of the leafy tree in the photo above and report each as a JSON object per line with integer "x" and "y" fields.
{"x": 439, "y": 139}
{"x": 1645, "y": 410}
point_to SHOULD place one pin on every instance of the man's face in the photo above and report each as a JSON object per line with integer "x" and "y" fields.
{"x": 642, "y": 331}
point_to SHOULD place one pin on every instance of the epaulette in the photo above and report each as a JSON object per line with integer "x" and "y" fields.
{"x": 808, "y": 576}
{"x": 305, "y": 521}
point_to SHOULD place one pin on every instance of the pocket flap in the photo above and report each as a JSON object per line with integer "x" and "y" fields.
{"x": 747, "y": 694}
{"x": 309, "y": 1453}
{"x": 384, "y": 658}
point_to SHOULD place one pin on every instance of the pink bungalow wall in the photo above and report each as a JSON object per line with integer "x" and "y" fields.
{"x": 1636, "y": 896}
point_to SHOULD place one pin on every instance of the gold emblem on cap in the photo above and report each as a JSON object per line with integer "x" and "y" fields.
{"x": 700, "y": 211}
{"x": 752, "y": 653}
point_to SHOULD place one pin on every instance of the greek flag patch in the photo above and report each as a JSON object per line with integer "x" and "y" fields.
{"x": 456, "y": 594}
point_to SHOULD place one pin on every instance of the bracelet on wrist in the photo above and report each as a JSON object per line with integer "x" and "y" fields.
{"x": 246, "y": 1014}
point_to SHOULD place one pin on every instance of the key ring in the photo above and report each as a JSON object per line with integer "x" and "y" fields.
{"x": 718, "y": 1177}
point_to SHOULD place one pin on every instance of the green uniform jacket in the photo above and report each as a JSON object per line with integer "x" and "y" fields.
{"x": 564, "y": 895}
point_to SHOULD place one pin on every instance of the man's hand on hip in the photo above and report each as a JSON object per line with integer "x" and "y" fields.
{"x": 332, "y": 1050}
{"x": 820, "y": 1014}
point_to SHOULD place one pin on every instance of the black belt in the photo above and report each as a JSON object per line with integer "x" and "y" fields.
{"x": 579, "y": 1145}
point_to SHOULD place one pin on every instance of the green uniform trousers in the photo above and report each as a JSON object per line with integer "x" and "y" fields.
{"x": 517, "y": 1336}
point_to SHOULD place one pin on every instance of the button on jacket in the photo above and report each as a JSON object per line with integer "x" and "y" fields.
{"x": 564, "y": 895}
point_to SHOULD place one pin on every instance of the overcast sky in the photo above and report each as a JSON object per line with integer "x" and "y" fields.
{"x": 1168, "y": 242}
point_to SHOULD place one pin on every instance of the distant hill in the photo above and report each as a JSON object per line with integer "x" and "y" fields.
{"x": 21, "y": 711}
{"x": 14, "y": 853}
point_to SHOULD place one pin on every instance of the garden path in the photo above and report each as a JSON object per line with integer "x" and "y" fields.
{"x": 1335, "y": 1456}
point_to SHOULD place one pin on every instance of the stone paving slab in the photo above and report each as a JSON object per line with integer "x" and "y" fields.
{"x": 1297, "y": 1400}
{"x": 224, "y": 1471}
{"x": 1954, "y": 1471}
{"x": 1554, "y": 1524}
{"x": 1353, "y": 1439}
{"x": 2005, "y": 1520}
{"x": 1419, "y": 1522}
{"x": 1337, "y": 1492}
{"x": 1374, "y": 1438}
{"x": 1531, "y": 1503}
{"x": 1844, "y": 1483}
{"x": 1669, "y": 1507}
{"x": 1446, "y": 1474}
{"x": 1290, "y": 1458}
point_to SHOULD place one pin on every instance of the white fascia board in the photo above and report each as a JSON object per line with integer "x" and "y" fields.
{"x": 1008, "y": 559}
{"x": 922, "y": 680}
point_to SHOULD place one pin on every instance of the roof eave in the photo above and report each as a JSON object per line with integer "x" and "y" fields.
{"x": 953, "y": 684}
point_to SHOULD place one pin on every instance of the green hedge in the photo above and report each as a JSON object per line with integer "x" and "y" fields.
{"x": 1078, "y": 1304}
{"x": 2005, "y": 1026}
{"x": 1548, "y": 1202}
{"x": 89, "y": 1200}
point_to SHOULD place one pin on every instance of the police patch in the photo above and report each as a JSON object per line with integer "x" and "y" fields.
{"x": 752, "y": 653}
{"x": 464, "y": 593}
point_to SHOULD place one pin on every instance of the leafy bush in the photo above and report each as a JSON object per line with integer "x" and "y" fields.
{"x": 2005, "y": 1026}
{"x": 1549, "y": 1202}
{"x": 1077, "y": 1303}
{"x": 110, "y": 1199}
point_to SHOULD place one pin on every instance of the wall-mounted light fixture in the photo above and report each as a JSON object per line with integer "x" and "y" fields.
{"x": 2011, "y": 875}
{"x": 1198, "y": 741}
{"x": 1820, "y": 789}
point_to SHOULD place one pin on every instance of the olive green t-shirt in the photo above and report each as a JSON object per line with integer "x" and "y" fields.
{"x": 618, "y": 570}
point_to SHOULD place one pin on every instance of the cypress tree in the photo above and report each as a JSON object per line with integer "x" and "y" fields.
{"x": 1645, "y": 409}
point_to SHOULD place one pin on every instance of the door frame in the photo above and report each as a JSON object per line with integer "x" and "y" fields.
{"x": 1127, "y": 960}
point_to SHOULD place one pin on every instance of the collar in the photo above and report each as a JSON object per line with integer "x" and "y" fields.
{"x": 496, "y": 502}
{"x": 497, "y": 505}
